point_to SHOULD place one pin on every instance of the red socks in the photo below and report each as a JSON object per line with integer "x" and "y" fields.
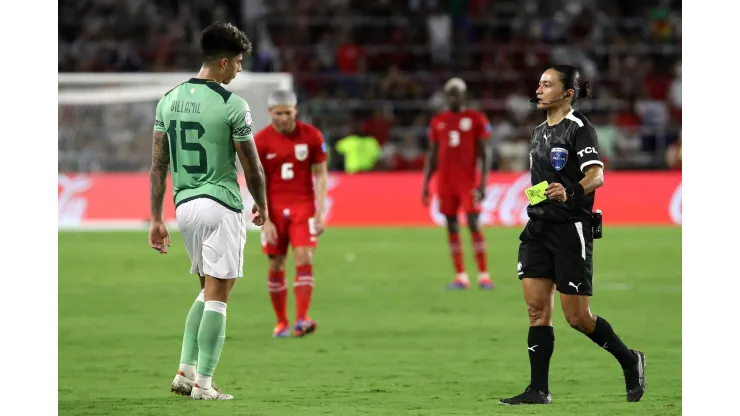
{"x": 278, "y": 294}
{"x": 303, "y": 288}
{"x": 479, "y": 248}
{"x": 456, "y": 252}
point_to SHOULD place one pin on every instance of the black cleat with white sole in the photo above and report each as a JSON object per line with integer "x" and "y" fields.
{"x": 634, "y": 378}
{"x": 530, "y": 396}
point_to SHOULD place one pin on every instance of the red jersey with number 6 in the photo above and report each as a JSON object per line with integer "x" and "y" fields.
{"x": 288, "y": 161}
{"x": 456, "y": 135}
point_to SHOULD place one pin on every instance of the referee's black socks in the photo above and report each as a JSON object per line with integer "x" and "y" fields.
{"x": 605, "y": 337}
{"x": 540, "y": 344}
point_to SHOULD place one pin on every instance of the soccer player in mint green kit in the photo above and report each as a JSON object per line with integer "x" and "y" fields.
{"x": 199, "y": 129}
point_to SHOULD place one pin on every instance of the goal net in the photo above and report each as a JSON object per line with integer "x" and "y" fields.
{"x": 106, "y": 120}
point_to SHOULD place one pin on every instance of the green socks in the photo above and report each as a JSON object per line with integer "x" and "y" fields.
{"x": 211, "y": 335}
{"x": 189, "y": 354}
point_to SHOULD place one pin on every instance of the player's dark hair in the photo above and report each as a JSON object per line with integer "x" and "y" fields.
{"x": 571, "y": 79}
{"x": 223, "y": 40}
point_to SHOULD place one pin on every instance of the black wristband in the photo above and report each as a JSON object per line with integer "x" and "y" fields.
{"x": 575, "y": 190}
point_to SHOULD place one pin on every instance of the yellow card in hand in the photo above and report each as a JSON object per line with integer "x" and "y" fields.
{"x": 536, "y": 194}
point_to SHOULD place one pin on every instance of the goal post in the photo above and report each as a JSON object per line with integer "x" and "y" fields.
{"x": 93, "y": 89}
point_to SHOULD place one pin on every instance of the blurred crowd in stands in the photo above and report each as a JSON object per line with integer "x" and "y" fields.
{"x": 374, "y": 69}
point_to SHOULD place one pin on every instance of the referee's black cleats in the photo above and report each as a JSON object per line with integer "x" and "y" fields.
{"x": 530, "y": 396}
{"x": 634, "y": 378}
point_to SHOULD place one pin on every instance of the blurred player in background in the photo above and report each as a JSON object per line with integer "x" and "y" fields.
{"x": 200, "y": 127}
{"x": 458, "y": 148}
{"x": 289, "y": 151}
{"x": 673, "y": 155}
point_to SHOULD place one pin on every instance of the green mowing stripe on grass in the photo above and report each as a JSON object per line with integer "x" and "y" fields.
{"x": 391, "y": 341}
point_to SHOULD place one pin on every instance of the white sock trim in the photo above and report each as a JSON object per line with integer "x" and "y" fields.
{"x": 201, "y": 297}
{"x": 204, "y": 382}
{"x": 215, "y": 306}
{"x": 188, "y": 370}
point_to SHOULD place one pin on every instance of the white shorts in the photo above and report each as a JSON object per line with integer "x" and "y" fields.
{"x": 214, "y": 238}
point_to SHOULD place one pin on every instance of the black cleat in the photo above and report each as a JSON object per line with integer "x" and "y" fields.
{"x": 529, "y": 397}
{"x": 634, "y": 378}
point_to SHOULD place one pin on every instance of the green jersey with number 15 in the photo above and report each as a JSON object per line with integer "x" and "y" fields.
{"x": 201, "y": 119}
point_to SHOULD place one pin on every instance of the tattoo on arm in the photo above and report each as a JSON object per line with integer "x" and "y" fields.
{"x": 254, "y": 173}
{"x": 158, "y": 173}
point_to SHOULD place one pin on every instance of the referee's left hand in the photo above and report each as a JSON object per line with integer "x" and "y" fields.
{"x": 556, "y": 191}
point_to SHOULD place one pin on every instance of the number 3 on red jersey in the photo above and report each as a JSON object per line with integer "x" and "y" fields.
{"x": 454, "y": 138}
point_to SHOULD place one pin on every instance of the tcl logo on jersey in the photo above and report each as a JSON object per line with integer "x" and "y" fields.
{"x": 587, "y": 151}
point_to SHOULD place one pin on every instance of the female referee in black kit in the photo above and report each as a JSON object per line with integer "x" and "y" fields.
{"x": 557, "y": 243}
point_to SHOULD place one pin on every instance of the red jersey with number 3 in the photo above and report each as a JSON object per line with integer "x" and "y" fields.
{"x": 457, "y": 135}
{"x": 288, "y": 162}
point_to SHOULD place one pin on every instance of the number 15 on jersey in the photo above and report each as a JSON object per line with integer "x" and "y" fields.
{"x": 189, "y": 148}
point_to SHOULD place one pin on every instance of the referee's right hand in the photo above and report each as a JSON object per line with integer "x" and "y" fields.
{"x": 556, "y": 192}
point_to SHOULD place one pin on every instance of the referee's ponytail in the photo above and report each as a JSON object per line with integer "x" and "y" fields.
{"x": 571, "y": 79}
{"x": 584, "y": 90}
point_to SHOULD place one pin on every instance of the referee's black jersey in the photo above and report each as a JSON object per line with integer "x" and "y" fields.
{"x": 560, "y": 153}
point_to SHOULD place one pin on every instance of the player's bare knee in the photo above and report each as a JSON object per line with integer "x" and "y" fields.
{"x": 217, "y": 289}
{"x": 276, "y": 263}
{"x": 578, "y": 312}
{"x": 302, "y": 256}
{"x": 539, "y": 313}
{"x": 576, "y": 322}
{"x": 581, "y": 321}
{"x": 473, "y": 225}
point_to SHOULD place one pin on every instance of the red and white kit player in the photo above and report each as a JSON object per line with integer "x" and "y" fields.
{"x": 291, "y": 152}
{"x": 458, "y": 144}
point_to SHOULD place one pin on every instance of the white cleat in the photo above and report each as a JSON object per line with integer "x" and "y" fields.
{"x": 209, "y": 394}
{"x": 182, "y": 385}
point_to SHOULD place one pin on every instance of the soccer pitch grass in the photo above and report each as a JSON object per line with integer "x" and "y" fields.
{"x": 390, "y": 340}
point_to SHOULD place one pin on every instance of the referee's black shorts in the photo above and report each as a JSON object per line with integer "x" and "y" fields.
{"x": 561, "y": 252}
